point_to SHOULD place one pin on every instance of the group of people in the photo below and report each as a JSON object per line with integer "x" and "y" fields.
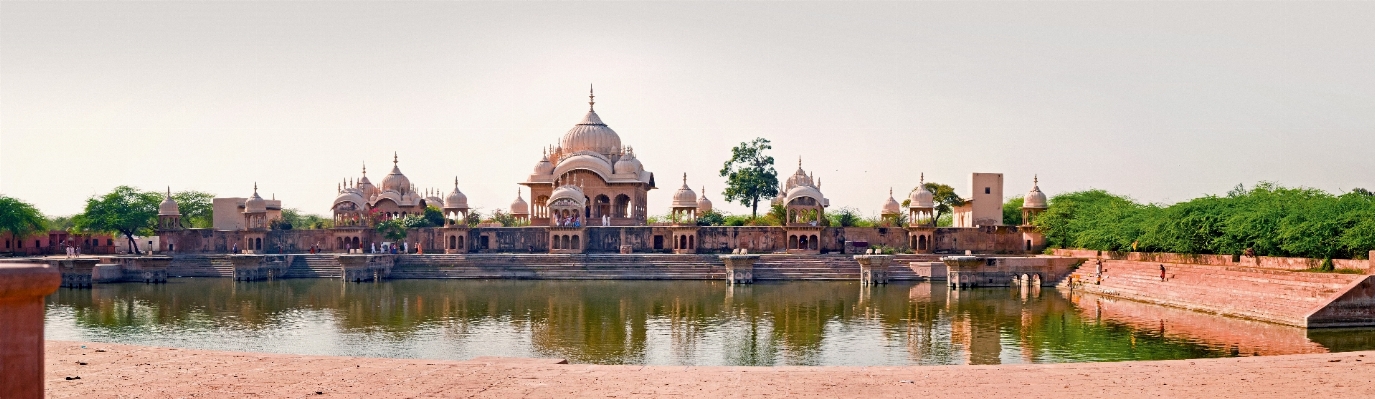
{"x": 72, "y": 251}
{"x": 571, "y": 221}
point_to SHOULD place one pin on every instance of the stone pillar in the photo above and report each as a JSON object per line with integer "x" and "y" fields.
{"x": 247, "y": 267}
{"x": 359, "y": 268}
{"x": 76, "y": 272}
{"x": 739, "y": 267}
{"x": 873, "y": 269}
{"x": 22, "y": 288}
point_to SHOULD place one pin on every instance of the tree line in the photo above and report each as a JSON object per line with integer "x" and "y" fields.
{"x": 1265, "y": 220}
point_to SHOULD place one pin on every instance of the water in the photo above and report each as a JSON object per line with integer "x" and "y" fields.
{"x": 664, "y": 322}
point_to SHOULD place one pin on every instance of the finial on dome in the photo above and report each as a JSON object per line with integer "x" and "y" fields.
{"x": 255, "y": 187}
{"x": 923, "y": 178}
{"x": 394, "y": 158}
{"x": 684, "y": 178}
{"x": 591, "y": 98}
{"x": 169, "y": 191}
{"x": 1035, "y": 180}
{"x": 365, "y": 168}
{"x": 799, "y": 162}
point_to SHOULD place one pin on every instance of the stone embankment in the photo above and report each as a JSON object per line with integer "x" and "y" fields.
{"x": 111, "y": 370}
{"x": 1296, "y": 298}
{"x": 567, "y": 267}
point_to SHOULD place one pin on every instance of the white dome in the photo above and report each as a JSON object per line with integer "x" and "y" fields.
{"x": 628, "y": 163}
{"x": 591, "y": 134}
{"x": 1035, "y": 199}
{"x": 804, "y": 191}
{"x": 456, "y": 199}
{"x": 703, "y": 204}
{"x": 168, "y": 207}
{"x": 395, "y": 181}
{"x": 350, "y": 196}
{"x": 891, "y": 206}
{"x": 684, "y": 197}
{"x": 921, "y": 197}
{"x": 590, "y": 161}
{"x": 255, "y": 204}
{"x": 519, "y": 207}
{"x": 544, "y": 167}
{"x": 569, "y": 193}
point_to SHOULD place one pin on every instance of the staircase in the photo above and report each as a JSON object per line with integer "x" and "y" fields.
{"x": 634, "y": 267}
{"x": 1279, "y": 296}
{"x": 314, "y": 266}
{"x": 200, "y": 266}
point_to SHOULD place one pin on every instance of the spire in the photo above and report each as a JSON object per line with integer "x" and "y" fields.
{"x": 255, "y": 188}
{"x": 169, "y": 191}
{"x": 455, "y": 182}
{"x": 923, "y": 178}
{"x": 365, "y": 168}
{"x": 1035, "y": 180}
{"x": 684, "y": 179}
{"x": 394, "y": 158}
{"x": 591, "y": 98}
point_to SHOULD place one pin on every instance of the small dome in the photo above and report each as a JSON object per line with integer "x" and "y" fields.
{"x": 456, "y": 199}
{"x": 568, "y": 194}
{"x": 395, "y": 181}
{"x": 703, "y": 204}
{"x": 684, "y": 197}
{"x": 255, "y": 204}
{"x": 628, "y": 163}
{"x": 168, "y": 206}
{"x": 921, "y": 197}
{"x": 352, "y": 197}
{"x": 1035, "y": 199}
{"x": 891, "y": 206}
{"x": 544, "y": 167}
{"x": 519, "y": 206}
{"x": 591, "y": 134}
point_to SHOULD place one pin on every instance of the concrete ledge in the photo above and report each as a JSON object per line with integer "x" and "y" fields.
{"x": 22, "y": 288}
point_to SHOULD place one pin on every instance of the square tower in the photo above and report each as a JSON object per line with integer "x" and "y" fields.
{"x": 987, "y": 198}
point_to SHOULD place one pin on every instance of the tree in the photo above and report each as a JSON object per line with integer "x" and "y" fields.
{"x": 196, "y": 208}
{"x": 434, "y": 216}
{"x": 20, "y": 218}
{"x": 711, "y": 218}
{"x": 750, "y": 175}
{"x": 1012, "y": 211}
{"x": 125, "y": 210}
{"x": 392, "y": 229}
{"x": 945, "y": 198}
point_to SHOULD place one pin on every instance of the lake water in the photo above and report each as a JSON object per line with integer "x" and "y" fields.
{"x": 664, "y": 322}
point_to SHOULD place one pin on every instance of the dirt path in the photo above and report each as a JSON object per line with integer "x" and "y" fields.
{"x": 112, "y": 370}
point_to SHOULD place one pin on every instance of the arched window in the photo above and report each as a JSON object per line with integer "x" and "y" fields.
{"x": 813, "y": 243}
{"x": 258, "y": 244}
{"x": 603, "y": 206}
{"x": 921, "y": 242}
{"x": 621, "y": 208}
{"x": 576, "y": 245}
{"x": 792, "y": 242}
{"x": 692, "y": 242}
{"x": 453, "y": 242}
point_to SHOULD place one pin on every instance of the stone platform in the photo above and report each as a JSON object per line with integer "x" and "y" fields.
{"x": 1302, "y": 299}
{"x": 112, "y": 370}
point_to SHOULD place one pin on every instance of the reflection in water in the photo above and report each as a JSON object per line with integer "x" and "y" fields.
{"x": 656, "y": 322}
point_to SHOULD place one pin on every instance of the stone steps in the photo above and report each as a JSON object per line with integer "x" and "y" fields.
{"x": 634, "y": 266}
{"x": 200, "y": 266}
{"x": 314, "y": 266}
{"x": 1279, "y": 296}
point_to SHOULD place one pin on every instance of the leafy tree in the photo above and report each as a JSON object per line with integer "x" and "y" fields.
{"x": 845, "y": 217}
{"x": 125, "y": 210}
{"x": 474, "y": 217}
{"x": 63, "y": 223}
{"x": 196, "y": 208}
{"x": 505, "y": 219}
{"x": 292, "y": 218}
{"x": 711, "y": 218}
{"x": 392, "y": 230}
{"x": 20, "y": 218}
{"x": 434, "y": 216}
{"x": 1012, "y": 211}
{"x": 749, "y": 175}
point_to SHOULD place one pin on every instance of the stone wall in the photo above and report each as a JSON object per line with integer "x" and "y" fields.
{"x": 641, "y": 239}
{"x": 1265, "y": 262}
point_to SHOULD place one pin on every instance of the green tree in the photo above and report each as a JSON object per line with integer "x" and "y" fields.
{"x": 20, "y": 218}
{"x": 434, "y": 215}
{"x": 749, "y": 175}
{"x": 63, "y": 223}
{"x": 392, "y": 229}
{"x": 1012, "y": 211}
{"x": 196, "y": 208}
{"x": 125, "y": 210}
{"x": 711, "y": 218}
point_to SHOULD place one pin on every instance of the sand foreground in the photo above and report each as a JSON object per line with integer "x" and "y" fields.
{"x": 113, "y": 370}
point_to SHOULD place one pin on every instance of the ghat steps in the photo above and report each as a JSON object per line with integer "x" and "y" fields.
{"x": 314, "y": 266}
{"x": 200, "y": 266}
{"x": 1278, "y": 296}
{"x": 634, "y": 267}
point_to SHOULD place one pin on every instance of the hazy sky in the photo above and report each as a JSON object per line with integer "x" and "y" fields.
{"x": 1160, "y": 101}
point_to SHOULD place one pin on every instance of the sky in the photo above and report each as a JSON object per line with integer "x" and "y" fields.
{"x": 1159, "y": 101}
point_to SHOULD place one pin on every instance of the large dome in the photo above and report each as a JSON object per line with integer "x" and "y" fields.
{"x": 591, "y": 134}
{"x": 395, "y": 181}
{"x": 921, "y": 197}
{"x": 255, "y": 204}
{"x": 544, "y": 167}
{"x": 703, "y": 204}
{"x": 456, "y": 199}
{"x": 519, "y": 206}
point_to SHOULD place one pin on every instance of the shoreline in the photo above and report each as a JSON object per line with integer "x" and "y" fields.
{"x": 118, "y": 370}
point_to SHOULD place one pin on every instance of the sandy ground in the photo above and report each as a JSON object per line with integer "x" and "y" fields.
{"x": 111, "y": 370}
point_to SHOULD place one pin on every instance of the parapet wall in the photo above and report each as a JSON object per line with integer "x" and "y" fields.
{"x": 1264, "y": 262}
{"x": 641, "y": 239}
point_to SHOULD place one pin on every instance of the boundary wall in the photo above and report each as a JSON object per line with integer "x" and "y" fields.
{"x": 1264, "y": 262}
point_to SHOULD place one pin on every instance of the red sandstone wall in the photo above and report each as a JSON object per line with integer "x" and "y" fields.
{"x": 1266, "y": 262}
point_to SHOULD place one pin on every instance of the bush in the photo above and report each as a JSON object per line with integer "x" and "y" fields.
{"x": 711, "y": 218}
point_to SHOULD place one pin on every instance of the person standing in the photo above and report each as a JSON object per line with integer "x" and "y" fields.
{"x": 1162, "y": 272}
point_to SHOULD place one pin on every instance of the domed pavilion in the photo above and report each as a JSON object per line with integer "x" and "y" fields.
{"x": 608, "y": 175}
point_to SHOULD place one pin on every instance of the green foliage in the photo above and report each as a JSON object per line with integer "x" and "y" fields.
{"x": 20, "y": 218}
{"x": 125, "y": 210}
{"x": 197, "y": 208}
{"x": 1269, "y": 219}
{"x": 1012, "y": 211}
{"x": 506, "y": 219}
{"x": 474, "y": 217}
{"x": 749, "y": 175}
{"x": 63, "y": 223}
{"x": 434, "y": 216}
{"x": 1327, "y": 265}
{"x": 292, "y": 218}
{"x": 846, "y": 217}
{"x": 945, "y": 197}
{"x": 392, "y": 230}
{"x": 711, "y": 218}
